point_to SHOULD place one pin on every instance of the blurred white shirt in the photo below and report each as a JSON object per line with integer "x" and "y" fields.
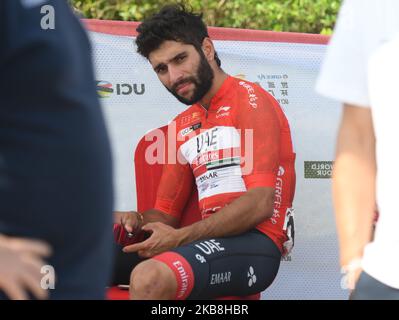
{"x": 361, "y": 67}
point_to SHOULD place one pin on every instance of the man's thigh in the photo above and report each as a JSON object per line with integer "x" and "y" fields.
{"x": 233, "y": 266}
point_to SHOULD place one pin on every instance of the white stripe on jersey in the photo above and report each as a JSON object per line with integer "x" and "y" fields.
{"x": 216, "y": 138}
{"x": 220, "y": 181}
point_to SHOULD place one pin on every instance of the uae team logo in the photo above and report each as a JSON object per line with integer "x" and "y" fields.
{"x": 104, "y": 89}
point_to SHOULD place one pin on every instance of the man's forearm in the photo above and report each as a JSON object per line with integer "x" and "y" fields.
{"x": 354, "y": 187}
{"x": 241, "y": 215}
{"x": 154, "y": 215}
{"x": 354, "y": 203}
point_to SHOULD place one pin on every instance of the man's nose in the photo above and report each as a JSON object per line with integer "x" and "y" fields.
{"x": 175, "y": 75}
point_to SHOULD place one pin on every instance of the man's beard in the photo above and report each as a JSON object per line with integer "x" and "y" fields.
{"x": 202, "y": 82}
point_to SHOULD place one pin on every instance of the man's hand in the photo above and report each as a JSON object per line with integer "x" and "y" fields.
{"x": 163, "y": 238}
{"x": 21, "y": 261}
{"x": 129, "y": 220}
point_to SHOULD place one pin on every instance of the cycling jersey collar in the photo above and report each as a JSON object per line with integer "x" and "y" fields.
{"x": 220, "y": 94}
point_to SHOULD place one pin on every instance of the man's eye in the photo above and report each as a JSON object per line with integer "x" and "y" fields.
{"x": 161, "y": 70}
{"x": 180, "y": 59}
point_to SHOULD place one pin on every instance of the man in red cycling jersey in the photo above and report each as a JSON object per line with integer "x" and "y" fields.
{"x": 234, "y": 143}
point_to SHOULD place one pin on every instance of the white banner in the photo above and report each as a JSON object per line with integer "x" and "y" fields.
{"x": 134, "y": 102}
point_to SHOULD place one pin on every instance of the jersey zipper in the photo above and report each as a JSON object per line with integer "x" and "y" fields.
{"x": 206, "y": 110}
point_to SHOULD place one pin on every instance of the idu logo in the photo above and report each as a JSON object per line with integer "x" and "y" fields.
{"x": 106, "y": 89}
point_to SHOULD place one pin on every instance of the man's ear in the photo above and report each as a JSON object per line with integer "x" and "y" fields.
{"x": 208, "y": 49}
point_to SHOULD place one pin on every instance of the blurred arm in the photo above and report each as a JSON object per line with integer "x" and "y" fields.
{"x": 354, "y": 182}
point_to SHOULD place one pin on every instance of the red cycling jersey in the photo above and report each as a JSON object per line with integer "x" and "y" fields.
{"x": 241, "y": 142}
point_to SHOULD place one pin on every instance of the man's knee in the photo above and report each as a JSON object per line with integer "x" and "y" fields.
{"x": 152, "y": 280}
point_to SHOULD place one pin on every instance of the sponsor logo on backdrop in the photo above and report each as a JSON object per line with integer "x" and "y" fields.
{"x": 107, "y": 89}
{"x": 243, "y": 76}
{"x": 318, "y": 169}
{"x": 104, "y": 89}
{"x": 277, "y": 85}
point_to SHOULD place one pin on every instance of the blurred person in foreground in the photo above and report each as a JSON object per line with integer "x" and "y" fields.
{"x": 360, "y": 70}
{"x": 21, "y": 263}
{"x": 55, "y": 163}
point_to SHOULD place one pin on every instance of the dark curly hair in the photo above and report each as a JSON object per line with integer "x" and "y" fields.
{"x": 172, "y": 22}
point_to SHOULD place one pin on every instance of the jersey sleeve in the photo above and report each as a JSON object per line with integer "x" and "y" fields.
{"x": 259, "y": 128}
{"x": 176, "y": 182}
